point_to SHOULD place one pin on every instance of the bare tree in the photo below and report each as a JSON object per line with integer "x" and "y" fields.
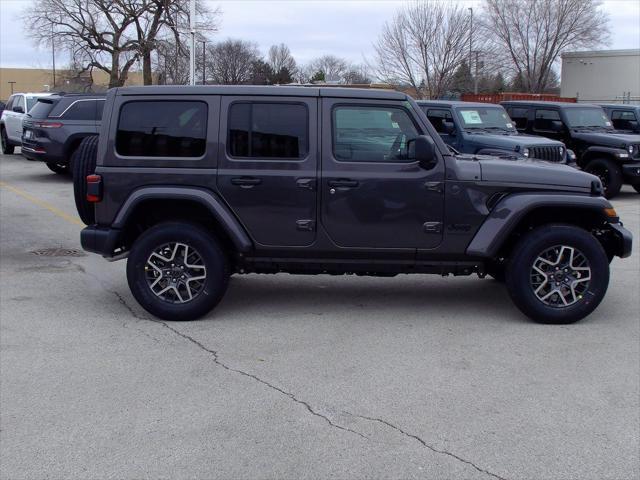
{"x": 333, "y": 68}
{"x": 111, "y": 35}
{"x": 423, "y": 46}
{"x": 279, "y": 58}
{"x": 533, "y": 33}
{"x": 231, "y": 62}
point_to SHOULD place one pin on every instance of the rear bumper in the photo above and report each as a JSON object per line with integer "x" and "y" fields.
{"x": 623, "y": 240}
{"x": 100, "y": 240}
{"x": 631, "y": 172}
{"x": 42, "y": 152}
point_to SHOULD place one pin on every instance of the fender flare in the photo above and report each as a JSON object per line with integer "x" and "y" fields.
{"x": 208, "y": 199}
{"x": 506, "y": 215}
{"x": 594, "y": 150}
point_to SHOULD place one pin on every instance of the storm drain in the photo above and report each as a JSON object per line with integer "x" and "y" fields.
{"x": 59, "y": 252}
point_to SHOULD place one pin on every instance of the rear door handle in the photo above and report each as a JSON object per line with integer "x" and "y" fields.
{"x": 343, "y": 183}
{"x": 246, "y": 181}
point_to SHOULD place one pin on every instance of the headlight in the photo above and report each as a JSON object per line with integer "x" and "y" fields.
{"x": 525, "y": 152}
{"x": 561, "y": 151}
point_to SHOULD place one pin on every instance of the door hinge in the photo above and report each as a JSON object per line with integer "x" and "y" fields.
{"x": 306, "y": 225}
{"x": 432, "y": 227}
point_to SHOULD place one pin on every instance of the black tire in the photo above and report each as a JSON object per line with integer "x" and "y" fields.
{"x": 211, "y": 255}
{"x": 520, "y": 282}
{"x": 636, "y": 187}
{"x": 58, "y": 168}
{"x": 609, "y": 173}
{"x": 4, "y": 141}
{"x": 83, "y": 161}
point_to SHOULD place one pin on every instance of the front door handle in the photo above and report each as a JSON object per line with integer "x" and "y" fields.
{"x": 343, "y": 183}
{"x": 246, "y": 182}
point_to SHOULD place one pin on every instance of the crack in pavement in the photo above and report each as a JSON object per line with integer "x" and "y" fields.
{"x": 307, "y": 406}
{"x": 426, "y": 445}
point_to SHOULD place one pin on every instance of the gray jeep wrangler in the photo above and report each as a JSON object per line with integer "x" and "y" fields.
{"x": 194, "y": 184}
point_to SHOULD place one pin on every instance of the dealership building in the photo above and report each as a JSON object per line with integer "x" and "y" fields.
{"x": 604, "y": 76}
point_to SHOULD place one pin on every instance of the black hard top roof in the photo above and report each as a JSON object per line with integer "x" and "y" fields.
{"x": 257, "y": 90}
{"x": 539, "y": 103}
{"x": 620, "y": 106}
{"x": 457, "y": 103}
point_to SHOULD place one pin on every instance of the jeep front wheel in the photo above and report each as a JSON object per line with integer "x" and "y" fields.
{"x": 609, "y": 174}
{"x": 177, "y": 271}
{"x": 558, "y": 274}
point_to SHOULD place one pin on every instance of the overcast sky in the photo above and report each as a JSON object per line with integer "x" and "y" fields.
{"x": 310, "y": 28}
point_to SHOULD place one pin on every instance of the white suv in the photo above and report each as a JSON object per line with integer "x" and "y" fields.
{"x": 11, "y": 121}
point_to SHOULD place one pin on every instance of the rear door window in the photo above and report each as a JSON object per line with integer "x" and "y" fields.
{"x": 268, "y": 130}
{"x": 81, "y": 110}
{"x": 622, "y": 119}
{"x": 162, "y": 129}
{"x": 545, "y": 118}
{"x": 519, "y": 116}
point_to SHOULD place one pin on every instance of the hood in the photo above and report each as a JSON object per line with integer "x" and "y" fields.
{"x": 494, "y": 140}
{"x": 618, "y": 140}
{"x": 529, "y": 172}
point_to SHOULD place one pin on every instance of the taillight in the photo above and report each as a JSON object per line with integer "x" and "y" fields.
{"x": 94, "y": 188}
{"x": 47, "y": 124}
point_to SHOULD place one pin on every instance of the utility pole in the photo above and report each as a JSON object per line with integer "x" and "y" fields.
{"x": 192, "y": 46}
{"x": 53, "y": 55}
{"x": 204, "y": 65}
{"x": 471, "y": 42}
{"x": 475, "y": 78}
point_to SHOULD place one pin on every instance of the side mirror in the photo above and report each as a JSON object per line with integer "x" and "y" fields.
{"x": 556, "y": 125}
{"x": 423, "y": 150}
{"x": 449, "y": 128}
{"x": 18, "y": 109}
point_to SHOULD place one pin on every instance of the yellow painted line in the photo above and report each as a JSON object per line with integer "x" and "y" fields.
{"x": 43, "y": 204}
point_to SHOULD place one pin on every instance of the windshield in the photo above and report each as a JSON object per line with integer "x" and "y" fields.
{"x": 587, "y": 117}
{"x": 485, "y": 118}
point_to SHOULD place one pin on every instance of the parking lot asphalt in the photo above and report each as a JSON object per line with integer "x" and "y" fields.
{"x": 300, "y": 377}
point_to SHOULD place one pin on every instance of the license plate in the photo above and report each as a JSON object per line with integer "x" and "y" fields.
{"x": 28, "y": 134}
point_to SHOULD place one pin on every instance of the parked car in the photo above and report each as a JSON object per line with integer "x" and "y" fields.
{"x": 485, "y": 129}
{"x": 623, "y": 117}
{"x": 2, "y": 106}
{"x": 193, "y": 184}
{"x": 11, "y": 120}
{"x": 55, "y": 126}
{"x": 613, "y": 156}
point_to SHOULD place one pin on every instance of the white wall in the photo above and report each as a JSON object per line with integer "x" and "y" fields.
{"x": 601, "y": 76}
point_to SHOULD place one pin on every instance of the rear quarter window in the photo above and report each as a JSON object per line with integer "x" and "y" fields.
{"x": 168, "y": 128}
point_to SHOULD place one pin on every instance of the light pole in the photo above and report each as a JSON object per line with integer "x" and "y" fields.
{"x": 471, "y": 43}
{"x": 204, "y": 65}
{"x": 53, "y": 55}
{"x": 192, "y": 49}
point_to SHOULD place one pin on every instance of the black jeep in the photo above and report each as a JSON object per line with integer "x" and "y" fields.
{"x": 55, "y": 126}
{"x": 611, "y": 155}
{"x": 194, "y": 184}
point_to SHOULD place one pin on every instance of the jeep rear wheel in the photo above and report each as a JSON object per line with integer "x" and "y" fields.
{"x": 609, "y": 174}
{"x": 83, "y": 161}
{"x": 4, "y": 141}
{"x": 177, "y": 271}
{"x": 558, "y": 274}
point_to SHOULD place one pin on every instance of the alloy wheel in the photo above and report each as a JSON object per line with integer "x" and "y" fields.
{"x": 175, "y": 272}
{"x": 560, "y": 276}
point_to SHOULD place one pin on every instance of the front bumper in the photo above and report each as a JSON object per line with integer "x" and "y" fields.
{"x": 631, "y": 172}
{"x": 623, "y": 240}
{"x": 103, "y": 241}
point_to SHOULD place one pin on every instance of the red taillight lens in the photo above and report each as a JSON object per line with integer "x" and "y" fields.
{"x": 94, "y": 188}
{"x": 47, "y": 124}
